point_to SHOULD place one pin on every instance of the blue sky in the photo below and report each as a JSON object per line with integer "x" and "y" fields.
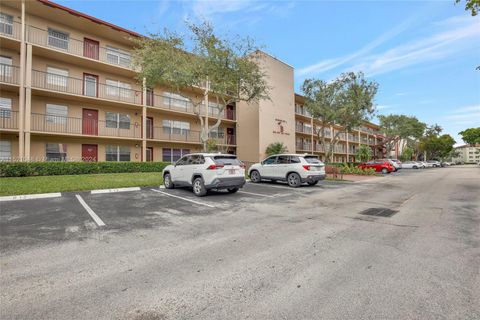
{"x": 423, "y": 54}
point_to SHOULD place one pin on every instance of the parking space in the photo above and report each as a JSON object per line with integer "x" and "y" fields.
{"x": 75, "y": 216}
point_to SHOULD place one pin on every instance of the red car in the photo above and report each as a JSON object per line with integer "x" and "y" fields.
{"x": 379, "y": 166}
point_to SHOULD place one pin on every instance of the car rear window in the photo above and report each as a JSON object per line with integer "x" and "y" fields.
{"x": 227, "y": 160}
{"x": 312, "y": 159}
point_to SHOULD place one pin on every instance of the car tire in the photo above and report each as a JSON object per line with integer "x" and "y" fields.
{"x": 294, "y": 180}
{"x": 415, "y": 167}
{"x": 312, "y": 183}
{"x": 198, "y": 187}
{"x": 167, "y": 181}
{"x": 384, "y": 171}
{"x": 255, "y": 176}
{"x": 232, "y": 190}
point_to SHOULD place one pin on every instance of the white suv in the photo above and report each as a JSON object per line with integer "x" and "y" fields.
{"x": 293, "y": 168}
{"x": 205, "y": 171}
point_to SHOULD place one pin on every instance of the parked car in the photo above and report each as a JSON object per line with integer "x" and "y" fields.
{"x": 427, "y": 164}
{"x": 206, "y": 171}
{"x": 411, "y": 165}
{"x": 383, "y": 166}
{"x": 434, "y": 163}
{"x": 395, "y": 163}
{"x": 295, "y": 169}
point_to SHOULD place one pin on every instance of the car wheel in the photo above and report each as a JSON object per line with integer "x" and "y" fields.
{"x": 384, "y": 171}
{"x": 294, "y": 180}
{"x": 255, "y": 176}
{"x": 415, "y": 167}
{"x": 199, "y": 187}
{"x": 232, "y": 190}
{"x": 167, "y": 181}
{"x": 312, "y": 183}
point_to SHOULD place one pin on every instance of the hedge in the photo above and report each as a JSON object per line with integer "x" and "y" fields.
{"x": 24, "y": 169}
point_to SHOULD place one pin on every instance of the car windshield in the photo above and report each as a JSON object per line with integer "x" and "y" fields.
{"x": 227, "y": 160}
{"x": 312, "y": 159}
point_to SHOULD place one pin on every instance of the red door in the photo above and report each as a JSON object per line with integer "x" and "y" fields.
{"x": 149, "y": 152}
{"x": 90, "y": 122}
{"x": 90, "y": 48}
{"x": 89, "y": 152}
{"x": 149, "y": 128}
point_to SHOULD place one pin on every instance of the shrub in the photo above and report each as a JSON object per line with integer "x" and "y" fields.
{"x": 23, "y": 169}
{"x": 276, "y": 148}
{"x": 355, "y": 170}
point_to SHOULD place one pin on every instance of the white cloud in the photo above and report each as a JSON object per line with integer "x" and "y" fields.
{"x": 464, "y": 116}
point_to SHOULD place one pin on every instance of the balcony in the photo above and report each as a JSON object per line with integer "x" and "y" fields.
{"x": 86, "y": 88}
{"x": 85, "y": 49}
{"x": 303, "y": 146}
{"x": 221, "y": 138}
{"x": 8, "y": 119}
{"x": 11, "y": 29}
{"x": 182, "y": 105}
{"x": 9, "y": 74}
{"x": 78, "y": 126}
{"x": 303, "y": 129}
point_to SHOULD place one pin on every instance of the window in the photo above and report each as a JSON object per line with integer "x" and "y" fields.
{"x": 117, "y": 120}
{"x": 271, "y": 160}
{"x": 172, "y": 155}
{"x": 56, "y": 114}
{"x": 58, "y": 39}
{"x": 172, "y": 99}
{"x": 176, "y": 127}
{"x": 57, "y": 77}
{"x": 5, "y": 150}
{"x": 6, "y": 24}
{"x": 217, "y": 133}
{"x": 183, "y": 161}
{"x": 5, "y": 67}
{"x": 118, "y": 89}
{"x": 118, "y": 56}
{"x": 5, "y": 107}
{"x": 56, "y": 151}
{"x": 117, "y": 153}
{"x": 196, "y": 159}
{"x": 283, "y": 160}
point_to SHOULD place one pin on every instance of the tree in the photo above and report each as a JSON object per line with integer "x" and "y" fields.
{"x": 437, "y": 147}
{"x": 399, "y": 128}
{"x": 472, "y": 5}
{"x": 364, "y": 153}
{"x": 276, "y": 148}
{"x": 346, "y": 101}
{"x": 471, "y": 135}
{"x": 227, "y": 70}
{"x": 407, "y": 154}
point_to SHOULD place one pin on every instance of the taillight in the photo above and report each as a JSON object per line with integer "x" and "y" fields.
{"x": 306, "y": 167}
{"x": 215, "y": 166}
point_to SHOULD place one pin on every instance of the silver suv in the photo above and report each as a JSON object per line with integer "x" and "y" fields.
{"x": 205, "y": 171}
{"x": 293, "y": 168}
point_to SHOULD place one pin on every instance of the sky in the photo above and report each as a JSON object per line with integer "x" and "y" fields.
{"x": 423, "y": 54}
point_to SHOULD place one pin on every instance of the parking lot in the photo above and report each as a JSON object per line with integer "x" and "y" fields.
{"x": 77, "y": 215}
{"x": 404, "y": 246}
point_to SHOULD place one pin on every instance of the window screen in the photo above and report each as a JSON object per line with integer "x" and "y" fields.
{"x": 56, "y": 151}
{"x": 5, "y": 150}
{"x": 58, "y": 39}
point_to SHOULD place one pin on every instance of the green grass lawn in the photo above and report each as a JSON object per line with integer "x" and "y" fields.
{"x": 45, "y": 184}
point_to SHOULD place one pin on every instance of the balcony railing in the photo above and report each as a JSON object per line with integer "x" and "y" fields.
{"x": 9, "y": 74}
{"x": 303, "y": 146}
{"x": 182, "y": 105}
{"x": 11, "y": 29}
{"x": 172, "y": 134}
{"x": 8, "y": 119}
{"x": 301, "y": 128}
{"x": 87, "y": 88}
{"x": 221, "y": 138}
{"x": 70, "y": 125}
{"x": 86, "y": 49}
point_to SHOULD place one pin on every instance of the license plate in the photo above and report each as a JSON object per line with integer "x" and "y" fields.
{"x": 231, "y": 171}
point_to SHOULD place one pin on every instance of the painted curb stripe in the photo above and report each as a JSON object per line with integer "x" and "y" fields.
{"x": 186, "y": 199}
{"x": 258, "y": 194}
{"x": 94, "y": 216}
{"x": 114, "y": 190}
{"x": 31, "y": 196}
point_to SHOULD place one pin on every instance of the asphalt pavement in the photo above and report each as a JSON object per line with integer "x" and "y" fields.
{"x": 405, "y": 246}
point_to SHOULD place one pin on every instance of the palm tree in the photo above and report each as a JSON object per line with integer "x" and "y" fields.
{"x": 276, "y": 148}
{"x": 364, "y": 153}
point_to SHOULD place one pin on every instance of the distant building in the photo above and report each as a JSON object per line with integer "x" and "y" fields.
{"x": 468, "y": 154}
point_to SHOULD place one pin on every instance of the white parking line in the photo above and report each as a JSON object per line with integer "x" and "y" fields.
{"x": 285, "y": 187}
{"x": 94, "y": 216}
{"x": 31, "y": 196}
{"x": 257, "y": 194}
{"x": 186, "y": 199}
{"x": 115, "y": 190}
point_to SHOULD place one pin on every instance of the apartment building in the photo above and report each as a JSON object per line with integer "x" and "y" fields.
{"x": 68, "y": 92}
{"x": 468, "y": 154}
